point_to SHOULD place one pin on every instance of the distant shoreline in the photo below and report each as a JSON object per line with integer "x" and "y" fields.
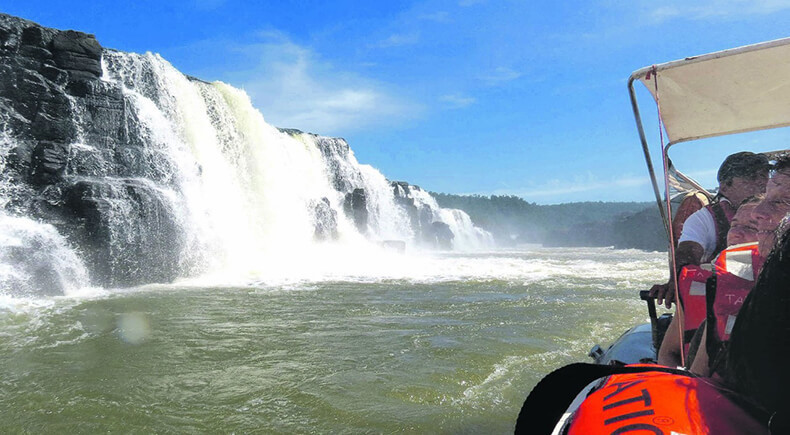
{"x": 512, "y": 221}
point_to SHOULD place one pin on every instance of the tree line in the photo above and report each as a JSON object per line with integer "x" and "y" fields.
{"x": 512, "y": 220}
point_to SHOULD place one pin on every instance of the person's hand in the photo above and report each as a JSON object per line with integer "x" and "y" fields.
{"x": 664, "y": 293}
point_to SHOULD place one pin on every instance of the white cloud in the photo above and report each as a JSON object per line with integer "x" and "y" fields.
{"x": 500, "y": 75}
{"x": 399, "y": 39}
{"x": 294, "y": 88}
{"x": 439, "y": 17}
{"x": 664, "y": 13}
{"x": 707, "y": 9}
{"x": 457, "y": 101}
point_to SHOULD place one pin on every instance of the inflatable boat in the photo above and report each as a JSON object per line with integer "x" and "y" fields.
{"x": 739, "y": 90}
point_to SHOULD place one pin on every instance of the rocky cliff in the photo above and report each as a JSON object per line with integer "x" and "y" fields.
{"x": 75, "y": 155}
{"x": 149, "y": 174}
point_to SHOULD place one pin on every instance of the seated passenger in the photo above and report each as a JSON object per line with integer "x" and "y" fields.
{"x": 743, "y": 228}
{"x": 774, "y": 206}
{"x": 692, "y": 202}
{"x": 768, "y": 214}
{"x": 746, "y": 394}
{"x": 740, "y": 176}
{"x": 755, "y": 362}
{"x": 693, "y": 280}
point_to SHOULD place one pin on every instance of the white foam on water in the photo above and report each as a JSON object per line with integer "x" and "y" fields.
{"x": 370, "y": 264}
{"x": 35, "y": 260}
{"x": 243, "y": 194}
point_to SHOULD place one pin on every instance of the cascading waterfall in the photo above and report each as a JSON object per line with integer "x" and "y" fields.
{"x": 467, "y": 236}
{"x": 247, "y": 186}
{"x": 256, "y": 183}
{"x": 169, "y": 176}
{"x": 387, "y": 220}
{"x": 34, "y": 258}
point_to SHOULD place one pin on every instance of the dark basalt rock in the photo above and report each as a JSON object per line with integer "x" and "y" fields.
{"x": 143, "y": 248}
{"x": 51, "y": 93}
{"x": 356, "y": 207}
{"x": 35, "y": 36}
{"x": 442, "y": 235}
{"x": 83, "y": 162}
{"x": 51, "y": 127}
{"x": 54, "y": 74}
{"x": 78, "y": 53}
{"x": 35, "y": 53}
{"x": 48, "y": 162}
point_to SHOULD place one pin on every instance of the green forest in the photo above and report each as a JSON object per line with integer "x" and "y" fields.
{"x": 512, "y": 220}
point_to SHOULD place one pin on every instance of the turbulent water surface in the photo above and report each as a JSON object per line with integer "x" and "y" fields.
{"x": 286, "y": 313}
{"x": 441, "y": 342}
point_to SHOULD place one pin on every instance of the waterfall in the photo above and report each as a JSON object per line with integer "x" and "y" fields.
{"x": 467, "y": 236}
{"x": 34, "y": 258}
{"x": 255, "y": 184}
{"x": 150, "y": 175}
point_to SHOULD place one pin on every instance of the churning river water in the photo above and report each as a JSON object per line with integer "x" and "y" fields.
{"x": 428, "y": 343}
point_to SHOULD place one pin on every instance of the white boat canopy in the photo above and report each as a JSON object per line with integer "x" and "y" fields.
{"x": 731, "y": 91}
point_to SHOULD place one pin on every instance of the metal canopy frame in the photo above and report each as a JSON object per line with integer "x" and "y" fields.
{"x": 665, "y": 206}
{"x": 655, "y": 70}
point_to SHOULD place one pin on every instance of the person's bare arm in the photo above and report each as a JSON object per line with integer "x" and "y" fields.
{"x": 686, "y": 253}
{"x": 669, "y": 352}
{"x": 700, "y": 364}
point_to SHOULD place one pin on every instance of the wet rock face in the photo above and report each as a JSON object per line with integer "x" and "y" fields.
{"x": 442, "y": 236}
{"x": 432, "y": 233}
{"x": 356, "y": 207}
{"x": 336, "y": 152}
{"x": 348, "y": 179}
{"x": 121, "y": 254}
{"x": 77, "y": 53}
{"x": 75, "y": 153}
{"x": 69, "y": 131}
{"x": 325, "y": 220}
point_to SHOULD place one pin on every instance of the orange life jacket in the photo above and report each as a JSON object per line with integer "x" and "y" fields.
{"x": 660, "y": 403}
{"x": 691, "y": 286}
{"x": 736, "y": 270}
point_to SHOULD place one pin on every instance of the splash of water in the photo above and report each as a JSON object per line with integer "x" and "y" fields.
{"x": 249, "y": 200}
{"x": 34, "y": 258}
{"x": 227, "y": 193}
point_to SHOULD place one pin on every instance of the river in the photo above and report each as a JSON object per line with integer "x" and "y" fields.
{"x": 422, "y": 342}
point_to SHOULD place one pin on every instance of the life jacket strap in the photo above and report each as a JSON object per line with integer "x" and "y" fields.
{"x": 722, "y": 225}
{"x": 712, "y": 341}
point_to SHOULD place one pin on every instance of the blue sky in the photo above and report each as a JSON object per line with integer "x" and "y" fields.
{"x": 522, "y": 98}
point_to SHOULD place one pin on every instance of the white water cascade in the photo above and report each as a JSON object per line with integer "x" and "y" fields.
{"x": 34, "y": 258}
{"x": 249, "y": 188}
{"x": 229, "y": 194}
